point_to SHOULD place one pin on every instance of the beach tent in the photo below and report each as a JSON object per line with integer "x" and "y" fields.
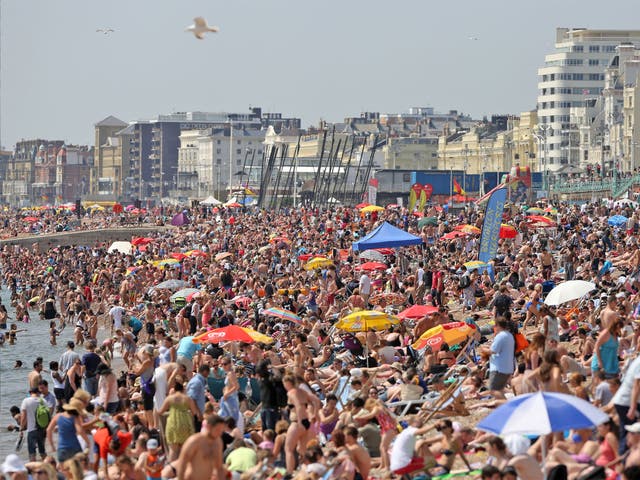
{"x": 122, "y": 247}
{"x": 386, "y": 236}
{"x": 211, "y": 200}
{"x": 180, "y": 219}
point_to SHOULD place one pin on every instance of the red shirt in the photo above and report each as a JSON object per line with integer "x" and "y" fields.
{"x": 103, "y": 438}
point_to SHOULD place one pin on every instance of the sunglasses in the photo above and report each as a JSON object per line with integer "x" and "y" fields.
{"x": 41, "y": 472}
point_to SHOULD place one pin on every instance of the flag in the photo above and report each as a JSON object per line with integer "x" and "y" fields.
{"x": 423, "y": 199}
{"x": 491, "y": 225}
{"x": 248, "y": 191}
{"x": 414, "y": 195}
{"x": 457, "y": 188}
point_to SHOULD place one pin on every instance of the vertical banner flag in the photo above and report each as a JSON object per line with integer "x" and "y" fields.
{"x": 491, "y": 225}
{"x": 414, "y": 195}
{"x": 373, "y": 191}
{"x": 457, "y": 188}
{"x": 423, "y": 199}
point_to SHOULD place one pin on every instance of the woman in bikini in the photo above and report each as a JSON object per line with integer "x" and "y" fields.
{"x": 388, "y": 426}
{"x": 302, "y": 408}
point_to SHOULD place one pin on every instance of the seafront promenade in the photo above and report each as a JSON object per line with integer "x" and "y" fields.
{"x": 86, "y": 237}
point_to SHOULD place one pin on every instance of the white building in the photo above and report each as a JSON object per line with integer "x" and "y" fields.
{"x": 571, "y": 75}
{"x": 211, "y": 160}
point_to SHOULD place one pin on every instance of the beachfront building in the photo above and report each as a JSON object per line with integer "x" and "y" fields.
{"x": 208, "y": 158}
{"x": 154, "y": 145}
{"x": 572, "y": 74}
{"x": 111, "y": 160}
{"x": 491, "y": 146}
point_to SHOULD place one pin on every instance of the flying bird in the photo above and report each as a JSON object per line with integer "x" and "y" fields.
{"x": 106, "y": 31}
{"x": 473, "y": 38}
{"x": 200, "y": 27}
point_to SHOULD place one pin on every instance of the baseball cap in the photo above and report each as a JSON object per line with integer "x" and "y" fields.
{"x": 152, "y": 443}
{"x": 633, "y": 428}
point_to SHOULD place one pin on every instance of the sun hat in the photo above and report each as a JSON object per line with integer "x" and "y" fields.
{"x": 74, "y": 405}
{"x": 13, "y": 464}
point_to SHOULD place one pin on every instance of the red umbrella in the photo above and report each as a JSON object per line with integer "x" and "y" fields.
{"x": 232, "y": 333}
{"x": 417, "y": 311}
{"x": 452, "y": 235}
{"x": 418, "y": 214}
{"x": 306, "y": 256}
{"x": 30, "y": 219}
{"x": 362, "y": 205}
{"x": 507, "y": 231}
{"x": 193, "y": 295}
{"x": 177, "y": 255}
{"x": 117, "y": 208}
{"x": 140, "y": 240}
{"x": 370, "y": 266}
{"x": 385, "y": 251}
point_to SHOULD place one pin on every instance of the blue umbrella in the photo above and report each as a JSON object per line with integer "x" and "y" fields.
{"x": 542, "y": 413}
{"x": 617, "y": 220}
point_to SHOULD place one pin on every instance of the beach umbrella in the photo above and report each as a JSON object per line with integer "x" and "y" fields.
{"x": 372, "y": 255}
{"x": 179, "y": 220}
{"x": 280, "y": 239}
{"x": 467, "y": 229}
{"x": 451, "y": 333}
{"x": 365, "y": 320}
{"x": 475, "y": 264}
{"x": 507, "y": 231}
{"x": 283, "y": 314}
{"x": 184, "y": 293}
{"x": 393, "y": 205}
{"x": 117, "y": 208}
{"x": 385, "y": 251}
{"x": 122, "y": 247}
{"x": 617, "y": 221}
{"x": 388, "y": 298}
{"x": 173, "y": 284}
{"x": 535, "y": 211}
{"x": 221, "y": 256}
{"x": 166, "y": 262}
{"x": 362, "y": 205}
{"x": 128, "y": 208}
{"x": 423, "y": 222}
{"x": 193, "y": 295}
{"x": 232, "y": 333}
{"x": 542, "y": 413}
{"x": 415, "y": 312}
{"x": 241, "y": 302}
{"x": 30, "y": 219}
{"x": 317, "y": 262}
{"x": 452, "y": 235}
{"x": 418, "y": 214}
{"x": 568, "y": 291}
{"x": 233, "y": 205}
{"x": 195, "y": 253}
{"x": 371, "y": 266}
{"x": 371, "y": 208}
{"x": 177, "y": 255}
{"x": 141, "y": 241}
{"x": 540, "y": 219}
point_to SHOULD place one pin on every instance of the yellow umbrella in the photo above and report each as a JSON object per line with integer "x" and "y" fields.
{"x": 257, "y": 336}
{"x": 467, "y": 229}
{"x": 318, "y": 262}
{"x": 475, "y": 264}
{"x": 365, "y": 320}
{"x": 372, "y": 208}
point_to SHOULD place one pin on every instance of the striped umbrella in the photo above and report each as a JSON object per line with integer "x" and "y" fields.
{"x": 283, "y": 314}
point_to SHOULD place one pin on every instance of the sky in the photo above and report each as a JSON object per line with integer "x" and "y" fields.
{"x": 314, "y": 60}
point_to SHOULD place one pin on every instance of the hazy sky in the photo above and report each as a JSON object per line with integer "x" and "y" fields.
{"x": 325, "y": 59}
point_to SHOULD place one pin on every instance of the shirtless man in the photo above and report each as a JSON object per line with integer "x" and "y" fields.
{"x": 305, "y": 406}
{"x": 201, "y": 454}
{"x": 359, "y": 455}
{"x": 610, "y": 312}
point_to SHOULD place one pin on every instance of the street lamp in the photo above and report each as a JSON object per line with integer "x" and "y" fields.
{"x": 542, "y": 133}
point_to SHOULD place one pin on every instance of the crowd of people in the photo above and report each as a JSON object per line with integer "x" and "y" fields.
{"x": 137, "y": 395}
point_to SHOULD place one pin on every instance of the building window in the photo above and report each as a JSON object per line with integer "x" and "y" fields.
{"x": 594, "y": 48}
{"x": 218, "y": 161}
{"x": 238, "y": 151}
{"x": 218, "y": 150}
{"x": 593, "y": 62}
{"x": 218, "y": 142}
{"x": 238, "y": 162}
{"x": 406, "y": 177}
{"x": 238, "y": 142}
{"x": 577, "y": 76}
{"x": 577, "y": 48}
{"x": 609, "y": 48}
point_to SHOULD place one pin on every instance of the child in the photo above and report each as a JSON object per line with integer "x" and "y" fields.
{"x": 12, "y": 333}
{"x": 53, "y": 332}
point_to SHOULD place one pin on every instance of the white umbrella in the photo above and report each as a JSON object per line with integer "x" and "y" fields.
{"x": 373, "y": 255}
{"x": 122, "y": 247}
{"x": 567, "y": 291}
{"x": 171, "y": 284}
{"x": 211, "y": 200}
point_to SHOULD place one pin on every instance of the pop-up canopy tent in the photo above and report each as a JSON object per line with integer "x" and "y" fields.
{"x": 386, "y": 236}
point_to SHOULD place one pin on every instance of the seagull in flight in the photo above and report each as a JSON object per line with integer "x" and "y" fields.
{"x": 473, "y": 38}
{"x": 106, "y": 31}
{"x": 200, "y": 27}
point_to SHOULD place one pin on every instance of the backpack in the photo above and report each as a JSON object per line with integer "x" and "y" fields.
{"x": 43, "y": 415}
{"x": 465, "y": 281}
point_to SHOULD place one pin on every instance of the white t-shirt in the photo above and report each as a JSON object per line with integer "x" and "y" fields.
{"x": 403, "y": 448}
{"x": 29, "y": 405}
{"x": 116, "y": 313}
{"x": 623, "y": 395}
{"x": 365, "y": 284}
